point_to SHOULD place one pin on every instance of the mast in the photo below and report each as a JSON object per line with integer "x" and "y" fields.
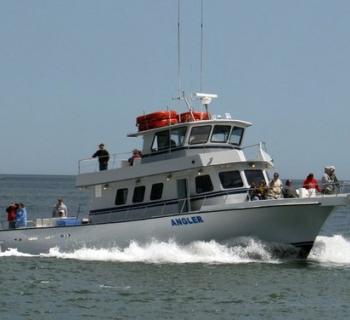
{"x": 201, "y": 59}
{"x": 178, "y": 52}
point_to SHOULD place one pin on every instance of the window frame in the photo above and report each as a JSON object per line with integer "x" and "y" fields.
{"x": 154, "y": 138}
{"x": 211, "y": 186}
{"x": 254, "y": 180}
{"x": 184, "y": 137}
{"x": 138, "y": 200}
{"x": 151, "y": 196}
{"x": 241, "y": 136}
{"x": 228, "y": 172}
{"x": 228, "y": 135}
{"x": 125, "y": 196}
{"x": 200, "y": 142}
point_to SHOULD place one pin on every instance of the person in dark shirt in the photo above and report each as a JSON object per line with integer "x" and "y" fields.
{"x": 103, "y": 157}
{"x": 289, "y": 190}
{"x": 136, "y": 154}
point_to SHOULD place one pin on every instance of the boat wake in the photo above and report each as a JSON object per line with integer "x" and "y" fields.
{"x": 171, "y": 252}
{"x": 333, "y": 250}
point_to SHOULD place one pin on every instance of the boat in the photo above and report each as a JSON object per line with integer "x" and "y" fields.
{"x": 191, "y": 184}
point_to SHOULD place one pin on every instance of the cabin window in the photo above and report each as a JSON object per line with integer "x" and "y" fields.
{"x": 156, "y": 191}
{"x": 177, "y": 137}
{"x": 236, "y": 135}
{"x": 139, "y": 194}
{"x": 220, "y": 134}
{"x": 203, "y": 184}
{"x": 231, "y": 179}
{"x": 255, "y": 176}
{"x": 161, "y": 140}
{"x": 199, "y": 134}
{"x": 121, "y": 196}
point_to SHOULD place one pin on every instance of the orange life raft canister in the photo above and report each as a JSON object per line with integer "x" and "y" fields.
{"x": 157, "y": 120}
{"x": 193, "y": 116}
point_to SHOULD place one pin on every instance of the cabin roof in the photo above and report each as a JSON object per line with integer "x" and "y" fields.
{"x": 239, "y": 123}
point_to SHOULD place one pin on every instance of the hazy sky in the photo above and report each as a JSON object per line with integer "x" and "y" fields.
{"x": 76, "y": 73}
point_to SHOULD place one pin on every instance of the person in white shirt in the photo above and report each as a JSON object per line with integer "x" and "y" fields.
{"x": 60, "y": 209}
{"x": 275, "y": 187}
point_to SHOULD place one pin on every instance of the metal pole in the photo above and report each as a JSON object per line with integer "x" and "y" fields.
{"x": 178, "y": 51}
{"x": 201, "y": 67}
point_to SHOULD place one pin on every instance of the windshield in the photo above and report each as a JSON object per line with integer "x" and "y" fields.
{"x": 220, "y": 134}
{"x": 236, "y": 135}
{"x": 199, "y": 134}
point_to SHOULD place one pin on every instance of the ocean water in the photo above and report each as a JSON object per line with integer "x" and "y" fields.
{"x": 202, "y": 280}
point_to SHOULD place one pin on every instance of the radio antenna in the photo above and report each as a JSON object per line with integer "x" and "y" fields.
{"x": 178, "y": 52}
{"x": 201, "y": 60}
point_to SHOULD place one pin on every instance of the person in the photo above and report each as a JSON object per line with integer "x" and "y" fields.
{"x": 289, "y": 190}
{"x": 11, "y": 215}
{"x": 60, "y": 209}
{"x": 136, "y": 154}
{"x": 253, "y": 193}
{"x": 334, "y": 179}
{"x": 262, "y": 190}
{"x": 21, "y": 216}
{"x": 330, "y": 184}
{"x": 275, "y": 187}
{"x": 310, "y": 183}
{"x": 103, "y": 157}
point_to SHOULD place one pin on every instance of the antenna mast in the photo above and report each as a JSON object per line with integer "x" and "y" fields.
{"x": 178, "y": 52}
{"x": 201, "y": 67}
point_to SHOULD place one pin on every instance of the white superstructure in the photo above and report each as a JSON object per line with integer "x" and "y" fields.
{"x": 191, "y": 183}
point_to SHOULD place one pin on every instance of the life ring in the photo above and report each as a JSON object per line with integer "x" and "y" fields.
{"x": 193, "y": 116}
{"x": 147, "y": 125}
{"x": 159, "y": 115}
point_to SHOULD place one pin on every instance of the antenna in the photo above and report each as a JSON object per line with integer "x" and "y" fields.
{"x": 205, "y": 98}
{"x": 178, "y": 51}
{"x": 201, "y": 67}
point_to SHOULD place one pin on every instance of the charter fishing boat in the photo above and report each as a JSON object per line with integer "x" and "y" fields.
{"x": 191, "y": 183}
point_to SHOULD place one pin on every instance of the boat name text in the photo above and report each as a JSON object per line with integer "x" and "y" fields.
{"x": 186, "y": 221}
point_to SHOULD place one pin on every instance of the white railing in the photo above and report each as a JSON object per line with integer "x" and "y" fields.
{"x": 116, "y": 160}
{"x": 181, "y": 206}
{"x": 257, "y": 152}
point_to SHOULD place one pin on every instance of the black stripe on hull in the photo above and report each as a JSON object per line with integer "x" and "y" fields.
{"x": 166, "y": 202}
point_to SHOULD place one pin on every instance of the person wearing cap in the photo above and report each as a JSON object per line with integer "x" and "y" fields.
{"x": 330, "y": 184}
{"x": 103, "y": 157}
{"x": 275, "y": 187}
{"x": 289, "y": 190}
{"x": 60, "y": 209}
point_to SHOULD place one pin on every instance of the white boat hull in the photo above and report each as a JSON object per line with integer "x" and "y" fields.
{"x": 286, "y": 221}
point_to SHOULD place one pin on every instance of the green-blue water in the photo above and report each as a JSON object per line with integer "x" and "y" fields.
{"x": 165, "y": 280}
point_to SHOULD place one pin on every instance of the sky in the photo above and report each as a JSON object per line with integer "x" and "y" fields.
{"x": 75, "y": 73}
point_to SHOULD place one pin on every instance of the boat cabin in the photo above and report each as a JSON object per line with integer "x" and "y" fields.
{"x": 185, "y": 166}
{"x": 186, "y": 138}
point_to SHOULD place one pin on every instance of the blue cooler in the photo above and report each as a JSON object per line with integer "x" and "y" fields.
{"x": 64, "y": 222}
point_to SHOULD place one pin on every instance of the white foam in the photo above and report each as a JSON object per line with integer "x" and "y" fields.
{"x": 14, "y": 253}
{"x": 329, "y": 250}
{"x": 335, "y": 249}
{"x": 171, "y": 252}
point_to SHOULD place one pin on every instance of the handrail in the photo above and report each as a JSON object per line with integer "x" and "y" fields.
{"x": 118, "y": 160}
{"x": 201, "y": 200}
{"x": 91, "y": 164}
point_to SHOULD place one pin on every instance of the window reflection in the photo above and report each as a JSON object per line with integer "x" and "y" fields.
{"x": 236, "y": 135}
{"x": 199, "y": 134}
{"x": 220, "y": 134}
{"x": 177, "y": 137}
